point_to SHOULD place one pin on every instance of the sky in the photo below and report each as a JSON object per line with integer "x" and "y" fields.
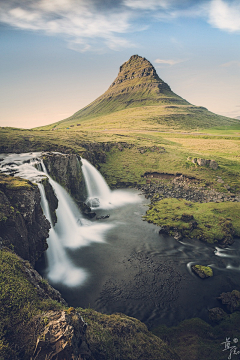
{"x": 57, "y": 56}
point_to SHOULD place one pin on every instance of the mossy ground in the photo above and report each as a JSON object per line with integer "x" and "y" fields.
{"x": 214, "y": 221}
{"x": 19, "y": 303}
{"x": 196, "y": 340}
{"x": 121, "y": 337}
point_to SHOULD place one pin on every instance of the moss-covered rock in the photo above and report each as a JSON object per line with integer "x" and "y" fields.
{"x": 202, "y": 271}
{"x": 118, "y": 337}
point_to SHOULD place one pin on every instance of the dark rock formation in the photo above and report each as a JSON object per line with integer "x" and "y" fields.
{"x": 23, "y": 227}
{"x": 62, "y": 337}
{"x": 51, "y": 198}
{"x": 66, "y": 170}
{"x": 182, "y": 187}
{"x": 231, "y": 300}
{"x": 216, "y": 315}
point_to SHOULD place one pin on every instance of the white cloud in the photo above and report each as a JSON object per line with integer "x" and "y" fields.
{"x": 78, "y": 20}
{"x": 224, "y": 15}
{"x": 89, "y": 24}
{"x": 168, "y": 62}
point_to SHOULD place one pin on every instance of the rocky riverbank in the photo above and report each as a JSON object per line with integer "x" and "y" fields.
{"x": 161, "y": 186}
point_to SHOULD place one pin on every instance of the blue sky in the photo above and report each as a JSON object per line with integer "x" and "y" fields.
{"x": 59, "y": 55}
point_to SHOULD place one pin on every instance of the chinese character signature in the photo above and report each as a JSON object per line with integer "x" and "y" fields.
{"x": 231, "y": 348}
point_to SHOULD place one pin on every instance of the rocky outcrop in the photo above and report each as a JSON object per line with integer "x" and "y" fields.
{"x": 66, "y": 170}
{"x": 51, "y": 198}
{"x": 97, "y": 152}
{"x": 216, "y": 315}
{"x": 62, "y": 337}
{"x": 231, "y": 300}
{"x": 23, "y": 227}
{"x": 182, "y": 187}
{"x": 204, "y": 162}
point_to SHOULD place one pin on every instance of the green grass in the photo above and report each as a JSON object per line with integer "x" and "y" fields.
{"x": 120, "y": 337}
{"x": 214, "y": 222}
{"x": 19, "y": 303}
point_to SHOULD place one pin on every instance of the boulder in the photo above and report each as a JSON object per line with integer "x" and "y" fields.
{"x": 202, "y": 271}
{"x": 201, "y": 162}
{"x": 231, "y": 300}
{"x": 102, "y": 217}
{"x": 217, "y": 314}
{"x": 62, "y": 337}
{"x": 213, "y": 165}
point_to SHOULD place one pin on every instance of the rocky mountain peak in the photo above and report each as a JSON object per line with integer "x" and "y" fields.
{"x": 136, "y": 68}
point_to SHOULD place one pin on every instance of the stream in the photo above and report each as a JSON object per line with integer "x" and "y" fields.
{"x": 121, "y": 263}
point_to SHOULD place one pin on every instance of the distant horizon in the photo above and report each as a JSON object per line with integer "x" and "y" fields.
{"x": 58, "y": 57}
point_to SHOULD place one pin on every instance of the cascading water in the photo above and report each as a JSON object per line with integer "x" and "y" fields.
{"x": 71, "y": 230}
{"x": 99, "y": 193}
{"x": 97, "y": 188}
{"x": 60, "y": 268}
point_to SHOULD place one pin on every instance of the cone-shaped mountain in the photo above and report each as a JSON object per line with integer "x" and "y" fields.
{"x": 140, "y": 96}
{"x": 137, "y": 84}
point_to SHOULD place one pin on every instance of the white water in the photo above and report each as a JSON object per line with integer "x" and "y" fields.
{"x": 99, "y": 194}
{"x": 71, "y": 230}
{"x": 60, "y": 267}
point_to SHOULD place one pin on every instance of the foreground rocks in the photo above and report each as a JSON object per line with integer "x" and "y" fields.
{"x": 62, "y": 337}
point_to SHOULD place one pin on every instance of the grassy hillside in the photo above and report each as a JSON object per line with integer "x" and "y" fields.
{"x": 139, "y": 99}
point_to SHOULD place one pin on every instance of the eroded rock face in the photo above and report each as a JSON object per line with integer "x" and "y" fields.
{"x": 24, "y": 228}
{"x": 62, "y": 338}
{"x": 66, "y": 170}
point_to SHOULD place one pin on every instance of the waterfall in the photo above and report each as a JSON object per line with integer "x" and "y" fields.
{"x": 60, "y": 267}
{"x": 98, "y": 191}
{"x": 71, "y": 230}
{"x": 99, "y": 194}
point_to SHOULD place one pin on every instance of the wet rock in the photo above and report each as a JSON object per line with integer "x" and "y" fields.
{"x": 231, "y": 300}
{"x": 66, "y": 170}
{"x": 217, "y": 314}
{"x": 102, "y": 217}
{"x": 86, "y": 210}
{"x": 24, "y": 228}
{"x": 62, "y": 337}
{"x": 202, "y": 271}
{"x": 93, "y": 202}
{"x": 177, "y": 235}
{"x": 163, "y": 230}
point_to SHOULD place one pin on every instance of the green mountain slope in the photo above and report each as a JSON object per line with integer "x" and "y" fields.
{"x": 138, "y": 95}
